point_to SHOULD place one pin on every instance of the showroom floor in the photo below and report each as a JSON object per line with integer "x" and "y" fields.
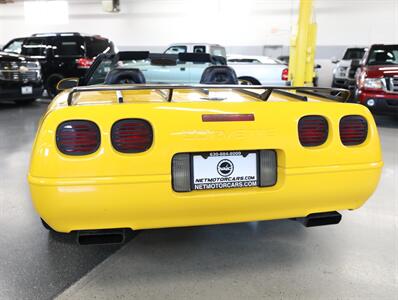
{"x": 278, "y": 259}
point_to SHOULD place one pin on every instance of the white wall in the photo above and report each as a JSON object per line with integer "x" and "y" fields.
{"x": 243, "y": 25}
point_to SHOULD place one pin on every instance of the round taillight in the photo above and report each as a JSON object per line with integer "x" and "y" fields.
{"x": 78, "y": 137}
{"x": 132, "y": 135}
{"x": 353, "y": 130}
{"x": 313, "y": 131}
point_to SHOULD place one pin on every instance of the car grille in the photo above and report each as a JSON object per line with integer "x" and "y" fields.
{"x": 24, "y": 77}
{"x": 20, "y": 71}
{"x": 341, "y": 72}
{"x": 392, "y": 84}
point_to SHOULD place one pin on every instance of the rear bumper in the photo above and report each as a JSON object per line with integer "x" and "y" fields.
{"x": 142, "y": 202}
{"x": 384, "y": 103}
{"x": 11, "y": 91}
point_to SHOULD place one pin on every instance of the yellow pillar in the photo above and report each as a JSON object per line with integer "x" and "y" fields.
{"x": 302, "y": 48}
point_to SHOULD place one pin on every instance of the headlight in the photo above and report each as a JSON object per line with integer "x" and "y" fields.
{"x": 374, "y": 83}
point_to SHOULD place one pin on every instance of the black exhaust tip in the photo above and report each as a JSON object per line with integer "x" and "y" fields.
{"x": 101, "y": 237}
{"x": 321, "y": 219}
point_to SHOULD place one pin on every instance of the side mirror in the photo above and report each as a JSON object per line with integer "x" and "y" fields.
{"x": 335, "y": 60}
{"x": 67, "y": 83}
{"x": 317, "y": 66}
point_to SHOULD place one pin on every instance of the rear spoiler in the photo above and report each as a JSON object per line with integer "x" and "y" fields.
{"x": 339, "y": 95}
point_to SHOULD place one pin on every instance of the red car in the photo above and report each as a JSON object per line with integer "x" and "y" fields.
{"x": 377, "y": 79}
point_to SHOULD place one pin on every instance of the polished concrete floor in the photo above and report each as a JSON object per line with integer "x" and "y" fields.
{"x": 276, "y": 259}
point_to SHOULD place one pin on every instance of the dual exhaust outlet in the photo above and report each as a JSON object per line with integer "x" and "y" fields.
{"x": 118, "y": 236}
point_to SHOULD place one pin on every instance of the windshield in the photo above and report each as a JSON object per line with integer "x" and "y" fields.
{"x": 383, "y": 55}
{"x": 354, "y": 53}
{"x": 14, "y": 47}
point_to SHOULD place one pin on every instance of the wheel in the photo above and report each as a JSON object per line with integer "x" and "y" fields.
{"x": 46, "y": 226}
{"x": 51, "y": 84}
{"x": 248, "y": 81}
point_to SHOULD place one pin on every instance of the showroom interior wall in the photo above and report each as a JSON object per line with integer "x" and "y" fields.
{"x": 242, "y": 26}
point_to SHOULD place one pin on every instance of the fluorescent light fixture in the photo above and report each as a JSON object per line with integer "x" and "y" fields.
{"x": 46, "y": 12}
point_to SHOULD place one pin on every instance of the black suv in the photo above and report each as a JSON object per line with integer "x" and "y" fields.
{"x": 67, "y": 54}
{"x": 20, "y": 78}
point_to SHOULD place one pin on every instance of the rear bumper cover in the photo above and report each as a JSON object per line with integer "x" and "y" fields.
{"x": 142, "y": 202}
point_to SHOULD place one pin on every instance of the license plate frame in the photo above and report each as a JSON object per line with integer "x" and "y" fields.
{"x": 222, "y": 177}
{"x": 27, "y": 90}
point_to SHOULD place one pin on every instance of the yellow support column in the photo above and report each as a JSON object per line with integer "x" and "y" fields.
{"x": 302, "y": 48}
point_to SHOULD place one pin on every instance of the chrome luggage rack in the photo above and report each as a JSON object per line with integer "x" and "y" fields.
{"x": 340, "y": 95}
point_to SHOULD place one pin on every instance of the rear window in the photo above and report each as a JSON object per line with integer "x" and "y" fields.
{"x": 34, "y": 47}
{"x": 95, "y": 46}
{"x": 354, "y": 54}
{"x": 70, "y": 46}
{"x": 176, "y": 50}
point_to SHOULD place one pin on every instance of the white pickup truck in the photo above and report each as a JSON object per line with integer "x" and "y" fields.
{"x": 249, "y": 69}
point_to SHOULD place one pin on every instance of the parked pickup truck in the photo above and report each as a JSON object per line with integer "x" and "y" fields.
{"x": 377, "y": 79}
{"x": 20, "y": 78}
{"x": 344, "y": 72}
{"x": 259, "y": 70}
{"x": 249, "y": 69}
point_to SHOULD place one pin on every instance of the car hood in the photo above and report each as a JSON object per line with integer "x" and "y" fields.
{"x": 381, "y": 71}
{"x": 6, "y": 56}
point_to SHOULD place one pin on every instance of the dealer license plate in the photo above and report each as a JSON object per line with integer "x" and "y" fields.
{"x": 223, "y": 170}
{"x": 26, "y": 90}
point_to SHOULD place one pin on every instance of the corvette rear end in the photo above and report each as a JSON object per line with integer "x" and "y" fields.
{"x": 145, "y": 156}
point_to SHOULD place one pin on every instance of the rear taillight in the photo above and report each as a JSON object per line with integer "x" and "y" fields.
{"x": 84, "y": 63}
{"x": 313, "y": 131}
{"x": 132, "y": 135}
{"x": 181, "y": 172}
{"x": 353, "y": 130}
{"x": 79, "y": 137}
{"x": 285, "y": 74}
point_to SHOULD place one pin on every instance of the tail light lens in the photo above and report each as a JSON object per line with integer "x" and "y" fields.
{"x": 313, "y": 131}
{"x": 353, "y": 130}
{"x": 132, "y": 135}
{"x": 79, "y": 137}
{"x": 84, "y": 63}
{"x": 285, "y": 74}
{"x": 181, "y": 172}
{"x": 268, "y": 168}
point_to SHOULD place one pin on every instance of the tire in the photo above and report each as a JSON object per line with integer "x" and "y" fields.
{"x": 248, "y": 81}
{"x": 51, "y": 84}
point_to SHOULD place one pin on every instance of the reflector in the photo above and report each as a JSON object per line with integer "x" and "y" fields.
{"x": 227, "y": 117}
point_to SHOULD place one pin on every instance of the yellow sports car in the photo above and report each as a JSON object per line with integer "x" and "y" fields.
{"x": 141, "y": 156}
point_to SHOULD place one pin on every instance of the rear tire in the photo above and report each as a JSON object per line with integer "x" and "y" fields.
{"x": 248, "y": 81}
{"x": 51, "y": 84}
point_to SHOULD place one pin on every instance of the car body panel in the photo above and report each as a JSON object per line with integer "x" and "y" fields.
{"x": 109, "y": 189}
{"x": 265, "y": 70}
